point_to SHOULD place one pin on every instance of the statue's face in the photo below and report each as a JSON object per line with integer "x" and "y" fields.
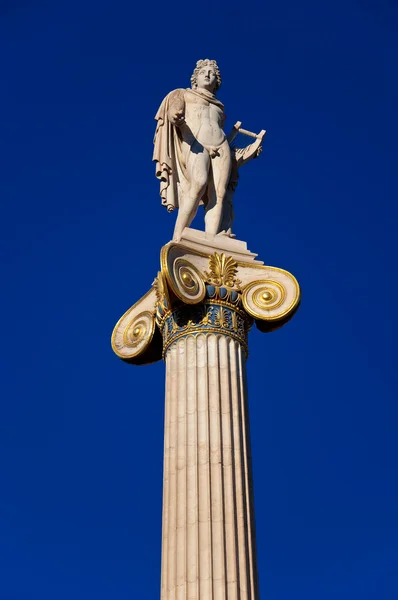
{"x": 206, "y": 78}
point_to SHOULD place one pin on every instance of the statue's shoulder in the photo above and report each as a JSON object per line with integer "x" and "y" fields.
{"x": 173, "y": 101}
{"x": 193, "y": 96}
{"x": 176, "y": 94}
{"x": 176, "y": 100}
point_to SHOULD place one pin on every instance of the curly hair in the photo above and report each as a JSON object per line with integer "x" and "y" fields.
{"x": 205, "y": 63}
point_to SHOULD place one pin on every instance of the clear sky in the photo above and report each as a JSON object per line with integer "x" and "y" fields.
{"x": 81, "y": 433}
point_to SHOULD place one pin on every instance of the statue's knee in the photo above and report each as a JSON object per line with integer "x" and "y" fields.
{"x": 198, "y": 187}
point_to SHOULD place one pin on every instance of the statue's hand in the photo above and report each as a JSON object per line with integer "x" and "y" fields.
{"x": 178, "y": 118}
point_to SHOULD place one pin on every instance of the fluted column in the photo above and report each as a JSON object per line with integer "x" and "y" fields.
{"x": 208, "y": 546}
{"x": 197, "y": 316}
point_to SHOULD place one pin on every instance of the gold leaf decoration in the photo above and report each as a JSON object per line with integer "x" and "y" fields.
{"x": 223, "y": 271}
{"x": 207, "y": 316}
{"x": 158, "y": 284}
{"x": 234, "y": 321}
{"x": 221, "y": 318}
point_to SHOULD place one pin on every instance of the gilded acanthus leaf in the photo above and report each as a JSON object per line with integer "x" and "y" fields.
{"x": 223, "y": 271}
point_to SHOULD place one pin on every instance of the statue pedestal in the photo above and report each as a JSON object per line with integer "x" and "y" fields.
{"x": 205, "y": 242}
{"x": 197, "y": 316}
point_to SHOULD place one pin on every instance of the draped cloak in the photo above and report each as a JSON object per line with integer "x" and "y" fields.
{"x": 168, "y": 151}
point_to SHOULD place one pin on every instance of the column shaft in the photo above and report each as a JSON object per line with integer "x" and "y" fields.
{"x": 208, "y": 546}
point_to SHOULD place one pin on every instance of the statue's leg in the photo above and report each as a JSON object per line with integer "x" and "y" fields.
{"x": 198, "y": 163}
{"x": 227, "y": 213}
{"x": 221, "y": 168}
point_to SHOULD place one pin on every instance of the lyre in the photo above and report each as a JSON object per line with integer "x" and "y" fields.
{"x": 242, "y": 155}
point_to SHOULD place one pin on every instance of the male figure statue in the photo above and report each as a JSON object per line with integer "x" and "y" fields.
{"x": 193, "y": 157}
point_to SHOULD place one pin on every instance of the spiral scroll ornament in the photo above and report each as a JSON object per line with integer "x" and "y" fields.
{"x": 138, "y": 333}
{"x": 188, "y": 283}
{"x": 268, "y": 300}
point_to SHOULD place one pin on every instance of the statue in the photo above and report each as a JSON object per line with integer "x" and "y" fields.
{"x": 196, "y": 162}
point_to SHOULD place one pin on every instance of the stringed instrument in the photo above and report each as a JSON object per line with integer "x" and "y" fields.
{"x": 245, "y": 153}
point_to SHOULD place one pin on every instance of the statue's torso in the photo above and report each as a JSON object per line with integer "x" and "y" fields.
{"x": 204, "y": 120}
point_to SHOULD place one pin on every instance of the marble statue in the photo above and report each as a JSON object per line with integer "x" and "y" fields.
{"x": 196, "y": 162}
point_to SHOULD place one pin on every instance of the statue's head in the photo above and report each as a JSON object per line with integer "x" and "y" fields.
{"x": 206, "y": 75}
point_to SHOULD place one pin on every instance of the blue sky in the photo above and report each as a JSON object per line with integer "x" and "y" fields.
{"x": 81, "y": 433}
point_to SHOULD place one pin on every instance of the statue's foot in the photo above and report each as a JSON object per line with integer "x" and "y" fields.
{"x": 227, "y": 233}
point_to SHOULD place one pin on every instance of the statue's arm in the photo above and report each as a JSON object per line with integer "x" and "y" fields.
{"x": 176, "y": 107}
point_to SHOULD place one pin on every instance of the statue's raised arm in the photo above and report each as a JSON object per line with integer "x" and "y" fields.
{"x": 196, "y": 162}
